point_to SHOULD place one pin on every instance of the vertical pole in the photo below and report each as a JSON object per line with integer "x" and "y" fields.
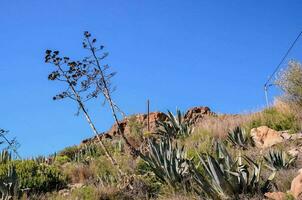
{"x": 266, "y": 96}
{"x": 148, "y": 115}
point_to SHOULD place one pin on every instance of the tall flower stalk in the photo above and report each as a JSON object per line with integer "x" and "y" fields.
{"x": 80, "y": 78}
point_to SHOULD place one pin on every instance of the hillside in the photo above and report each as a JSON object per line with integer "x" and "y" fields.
{"x": 263, "y": 149}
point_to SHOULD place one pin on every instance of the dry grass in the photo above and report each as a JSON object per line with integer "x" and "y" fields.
{"x": 280, "y": 116}
{"x": 284, "y": 178}
{"x": 77, "y": 173}
{"x": 220, "y": 125}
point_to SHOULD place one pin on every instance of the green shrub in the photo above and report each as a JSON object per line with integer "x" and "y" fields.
{"x": 60, "y": 160}
{"x": 69, "y": 151}
{"x": 290, "y": 81}
{"x": 277, "y": 120}
{"x": 87, "y": 193}
{"x": 82, "y": 153}
{"x": 135, "y": 127}
{"x": 36, "y": 177}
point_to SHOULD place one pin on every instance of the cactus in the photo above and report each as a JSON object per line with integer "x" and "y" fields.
{"x": 85, "y": 153}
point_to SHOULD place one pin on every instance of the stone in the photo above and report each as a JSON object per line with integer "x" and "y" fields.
{"x": 285, "y": 135}
{"x": 296, "y": 186}
{"x": 196, "y": 114}
{"x": 296, "y": 136}
{"x": 64, "y": 192}
{"x": 275, "y": 195}
{"x": 264, "y": 137}
{"x": 294, "y": 152}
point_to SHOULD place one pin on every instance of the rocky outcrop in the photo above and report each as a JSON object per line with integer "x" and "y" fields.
{"x": 296, "y": 186}
{"x": 139, "y": 121}
{"x": 264, "y": 137}
{"x": 275, "y": 195}
{"x": 196, "y": 114}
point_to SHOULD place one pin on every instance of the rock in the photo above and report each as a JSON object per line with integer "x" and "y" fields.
{"x": 265, "y": 137}
{"x": 64, "y": 192}
{"x": 296, "y": 136}
{"x": 296, "y": 186}
{"x": 196, "y": 114}
{"x": 294, "y": 152}
{"x": 141, "y": 121}
{"x": 275, "y": 195}
{"x": 75, "y": 186}
{"x": 285, "y": 135}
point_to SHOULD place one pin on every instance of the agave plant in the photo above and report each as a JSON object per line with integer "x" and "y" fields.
{"x": 168, "y": 162}
{"x": 175, "y": 126}
{"x": 239, "y": 138}
{"x": 9, "y": 184}
{"x": 225, "y": 178}
{"x": 277, "y": 160}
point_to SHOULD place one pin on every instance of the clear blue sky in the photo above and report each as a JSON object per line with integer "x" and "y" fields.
{"x": 177, "y": 53}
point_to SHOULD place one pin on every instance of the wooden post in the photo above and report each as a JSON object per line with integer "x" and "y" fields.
{"x": 148, "y": 115}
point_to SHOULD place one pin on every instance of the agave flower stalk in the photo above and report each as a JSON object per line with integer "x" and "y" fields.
{"x": 104, "y": 85}
{"x": 77, "y": 73}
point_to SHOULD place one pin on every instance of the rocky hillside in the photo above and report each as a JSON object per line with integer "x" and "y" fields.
{"x": 193, "y": 116}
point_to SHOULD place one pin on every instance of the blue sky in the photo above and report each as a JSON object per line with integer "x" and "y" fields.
{"x": 179, "y": 54}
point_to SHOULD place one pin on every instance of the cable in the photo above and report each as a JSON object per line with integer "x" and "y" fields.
{"x": 286, "y": 54}
{"x": 277, "y": 68}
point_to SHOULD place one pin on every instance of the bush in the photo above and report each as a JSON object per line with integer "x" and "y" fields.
{"x": 77, "y": 172}
{"x": 275, "y": 119}
{"x": 290, "y": 81}
{"x": 37, "y": 177}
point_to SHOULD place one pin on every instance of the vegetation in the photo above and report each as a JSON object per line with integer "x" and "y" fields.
{"x": 290, "y": 81}
{"x": 168, "y": 162}
{"x": 277, "y": 160}
{"x": 215, "y": 160}
{"x": 275, "y": 119}
{"x": 175, "y": 126}
{"x": 239, "y": 138}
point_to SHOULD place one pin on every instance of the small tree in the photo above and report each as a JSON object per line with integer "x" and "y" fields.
{"x": 290, "y": 81}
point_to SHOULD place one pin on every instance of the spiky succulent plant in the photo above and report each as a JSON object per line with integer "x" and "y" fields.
{"x": 239, "y": 138}
{"x": 168, "y": 162}
{"x": 227, "y": 178}
{"x": 276, "y": 160}
{"x": 175, "y": 126}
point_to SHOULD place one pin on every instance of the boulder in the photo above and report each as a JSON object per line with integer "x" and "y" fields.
{"x": 295, "y": 151}
{"x": 196, "y": 114}
{"x": 296, "y": 186}
{"x": 275, "y": 195}
{"x": 266, "y": 137}
{"x": 140, "y": 121}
